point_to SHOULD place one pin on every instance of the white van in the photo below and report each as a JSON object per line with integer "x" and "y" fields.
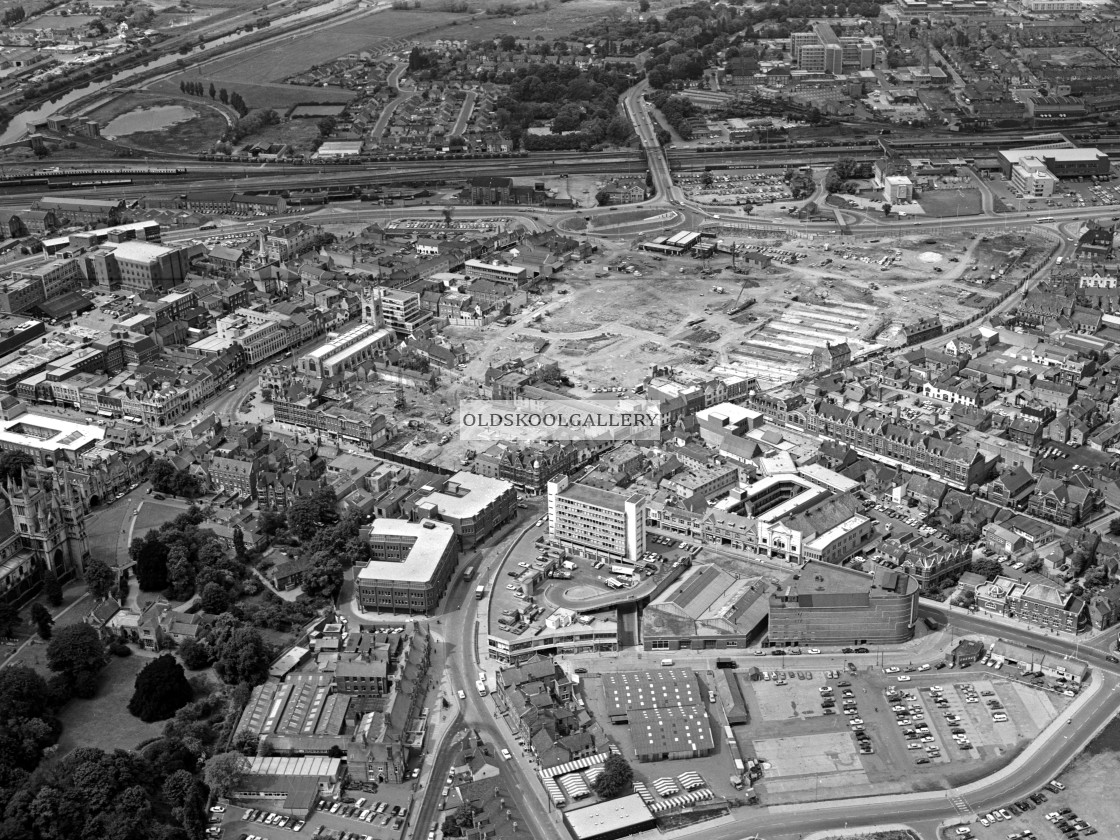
{"x": 666, "y": 663}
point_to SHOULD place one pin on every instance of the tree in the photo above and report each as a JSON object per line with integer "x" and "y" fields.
{"x": 988, "y": 567}
{"x": 194, "y": 654}
{"x": 602, "y": 198}
{"x": 1114, "y": 525}
{"x": 324, "y": 578}
{"x": 462, "y": 818}
{"x": 643, "y": 6}
{"x": 77, "y": 654}
{"x": 224, "y": 771}
{"x": 9, "y": 619}
{"x": 1096, "y": 577}
{"x": 326, "y": 126}
{"x": 99, "y": 578}
{"x": 1033, "y": 563}
{"x": 215, "y": 599}
{"x": 616, "y": 778}
{"x": 150, "y": 556}
{"x": 243, "y": 657}
{"x": 161, "y": 689}
{"x": 42, "y": 619}
{"x": 223, "y": 95}
{"x": 213, "y": 90}
{"x": 52, "y": 589}
{"x": 238, "y": 543}
{"x": 886, "y": 208}
{"x": 963, "y": 531}
{"x": 12, "y": 465}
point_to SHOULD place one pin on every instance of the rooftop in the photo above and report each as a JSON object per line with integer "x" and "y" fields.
{"x": 465, "y": 495}
{"x": 610, "y": 817}
{"x": 39, "y": 431}
{"x": 429, "y": 541}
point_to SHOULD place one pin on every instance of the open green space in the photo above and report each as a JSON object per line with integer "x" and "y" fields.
{"x": 104, "y": 721}
{"x": 949, "y": 203}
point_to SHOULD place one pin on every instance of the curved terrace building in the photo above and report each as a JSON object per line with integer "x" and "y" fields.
{"x": 833, "y": 605}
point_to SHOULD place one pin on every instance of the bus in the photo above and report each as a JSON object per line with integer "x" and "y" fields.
{"x": 625, "y": 571}
{"x": 1045, "y": 220}
{"x": 614, "y": 584}
{"x": 468, "y": 573}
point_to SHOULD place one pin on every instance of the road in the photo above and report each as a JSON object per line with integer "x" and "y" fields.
{"x": 391, "y": 106}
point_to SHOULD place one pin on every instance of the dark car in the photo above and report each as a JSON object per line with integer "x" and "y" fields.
{"x": 777, "y": 653}
{"x": 862, "y": 650}
{"x": 845, "y": 650}
{"x": 922, "y": 761}
{"x": 581, "y": 670}
{"x": 1112, "y": 659}
{"x": 844, "y": 684}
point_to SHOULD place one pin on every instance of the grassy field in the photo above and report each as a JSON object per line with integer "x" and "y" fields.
{"x": 557, "y": 22}
{"x": 104, "y": 721}
{"x": 949, "y": 203}
{"x": 299, "y": 134}
{"x": 288, "y": 55}
{"x": 195, "y": 135}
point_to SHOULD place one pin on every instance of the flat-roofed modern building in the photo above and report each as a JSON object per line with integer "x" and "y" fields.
{"x": 609, "y": 820}
{"x": 47, "y": 439}
{"x": 1062, "y": 163}
{"x": 346, "y": 351}
{"x": 834, "y": 605}
{"x": 410, "y": 566}
{"x": 514, "y": 276}
{"x": 473, "y": 505}
{"x": 597, "y": 524}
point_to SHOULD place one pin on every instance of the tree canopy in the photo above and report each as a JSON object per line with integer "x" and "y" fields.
{"x": 161, "y": 689}
{"x": 616, "y": 778}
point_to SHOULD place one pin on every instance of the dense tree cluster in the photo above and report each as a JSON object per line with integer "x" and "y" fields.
{"x": 97, "y": 795}
{"x": 677, "y": 111}
{"x": 182, "y": 558}
{"x": 844, "y": 173}
{"x": 251, "y": 122}
{"x": 237, "y": 651}
{"x": 583, "y": 103}
{"x": 77, "y": 654}
{"x": 165, "y": 478}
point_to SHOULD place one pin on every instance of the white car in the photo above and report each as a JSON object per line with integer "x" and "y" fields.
{"x": 904, "y": 678}
{"x": 894, "y": 669}
{"x": 506, "y": 754}
{"x": 813, "y": 650}
{"x": 964, "y": 829}
{"x": 925, "y": 667}
{"x": 462, "y": 694}
{"x": 218, "y": 809}
{"x": 984, "y": 821}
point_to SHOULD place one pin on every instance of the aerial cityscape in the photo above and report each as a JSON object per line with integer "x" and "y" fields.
{"x": 559, "y": 420}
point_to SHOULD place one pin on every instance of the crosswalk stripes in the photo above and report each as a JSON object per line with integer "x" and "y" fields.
{"x": 958, "y": 802}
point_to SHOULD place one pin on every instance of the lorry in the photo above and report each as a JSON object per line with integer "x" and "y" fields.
{"x": 736, "y": 781}
{"x": 480, "y": 592}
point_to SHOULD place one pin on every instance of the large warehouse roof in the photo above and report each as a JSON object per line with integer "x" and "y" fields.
{"x": 609, "y": 818}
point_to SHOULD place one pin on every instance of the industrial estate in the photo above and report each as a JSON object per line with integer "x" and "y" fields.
{"x": 853, "y": 271}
